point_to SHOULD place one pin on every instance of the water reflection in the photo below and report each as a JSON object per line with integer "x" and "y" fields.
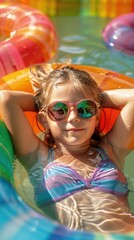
{"x": 129, "y": 172}
{"x": 80, "y": 38}
{"x": 89, "y": 210}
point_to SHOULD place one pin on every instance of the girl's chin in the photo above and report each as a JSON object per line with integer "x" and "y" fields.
{"x": 73, "y": 142}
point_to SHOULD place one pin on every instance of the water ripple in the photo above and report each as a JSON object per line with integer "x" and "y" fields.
{"x": 81, "y": 40}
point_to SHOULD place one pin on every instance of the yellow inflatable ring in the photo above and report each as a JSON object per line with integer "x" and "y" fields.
{"x": 16, "y": 215}
{"x": 28, "y": 37}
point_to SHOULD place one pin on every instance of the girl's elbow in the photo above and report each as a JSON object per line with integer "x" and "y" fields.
{"x": 5, "y": 95}
{"x": 5, "y": 98}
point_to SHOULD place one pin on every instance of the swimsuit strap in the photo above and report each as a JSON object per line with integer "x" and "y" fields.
{"x": 102, "y": 153}
{"x": 50, "y": 157}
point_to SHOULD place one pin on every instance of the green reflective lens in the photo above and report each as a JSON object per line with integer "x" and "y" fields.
{"x": 59, "y": 110}
{"x": 86, "y": 109}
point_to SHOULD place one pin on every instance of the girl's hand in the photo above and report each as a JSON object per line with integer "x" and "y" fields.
{"x": 117, "y": 98}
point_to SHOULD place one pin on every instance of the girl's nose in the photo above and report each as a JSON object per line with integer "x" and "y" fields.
{"x": 73, "y": 115}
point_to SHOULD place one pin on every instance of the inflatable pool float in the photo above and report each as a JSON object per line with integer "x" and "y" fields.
{"x": 18, "y": 220}
{"x": 119, "y": 33}
{"x": 27, "y": 37}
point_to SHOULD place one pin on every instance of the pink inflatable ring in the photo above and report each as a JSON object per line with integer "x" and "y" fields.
{"x": 27, "y": 37}
{"x": 119, "y": 33}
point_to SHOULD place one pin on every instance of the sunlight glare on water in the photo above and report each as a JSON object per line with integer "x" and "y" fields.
{"x": 80, "y": 39}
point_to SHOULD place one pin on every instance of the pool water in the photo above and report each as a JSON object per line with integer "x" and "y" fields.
{"x": 80, "y": 39}
{"x": 88, "y": 209}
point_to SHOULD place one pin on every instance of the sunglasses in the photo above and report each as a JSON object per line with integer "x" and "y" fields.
{"x": 58, "y": 111}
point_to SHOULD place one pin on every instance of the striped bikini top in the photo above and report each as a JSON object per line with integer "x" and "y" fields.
{"x": 58, "y": 181}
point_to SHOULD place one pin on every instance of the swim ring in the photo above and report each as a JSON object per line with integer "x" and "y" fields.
{"x": 19, "y": 221}
{"x": 119, "y": 33}
{"x": 27, "y": 37}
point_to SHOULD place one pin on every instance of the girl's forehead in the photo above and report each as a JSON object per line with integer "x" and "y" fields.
{"x": 69, "y": 91}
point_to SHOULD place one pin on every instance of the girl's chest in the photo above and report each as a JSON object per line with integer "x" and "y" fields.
{"x": 84, "y": 163}
{"x": 84, "y": 166}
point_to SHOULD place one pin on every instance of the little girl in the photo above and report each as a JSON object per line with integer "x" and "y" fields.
{"x": 74, "y": 166}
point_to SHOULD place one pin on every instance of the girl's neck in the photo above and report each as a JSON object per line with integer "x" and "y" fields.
{"x": 74, "y": 154}
{"x": 76, "y": 150}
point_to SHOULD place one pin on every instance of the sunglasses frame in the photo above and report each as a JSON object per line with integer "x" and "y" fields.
{"x": 69, "y": 105}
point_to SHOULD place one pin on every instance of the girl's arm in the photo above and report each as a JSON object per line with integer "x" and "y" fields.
{"x": 122, "y": 133}
{"x": 12, "y": 107}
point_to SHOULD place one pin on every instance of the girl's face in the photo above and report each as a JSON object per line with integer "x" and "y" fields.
{"x": 74, "y": 130}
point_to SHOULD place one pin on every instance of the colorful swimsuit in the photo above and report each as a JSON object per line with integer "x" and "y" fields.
{"x": 58, "y": 181}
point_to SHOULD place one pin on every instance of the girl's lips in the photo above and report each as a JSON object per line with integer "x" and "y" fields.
{"x": 74, "y": 130}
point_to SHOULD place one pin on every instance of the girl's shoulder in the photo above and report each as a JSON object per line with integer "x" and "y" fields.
{"x": 43, "y": 151}
{"x": 40, "y": 154}
{"x": 114, "y": 153}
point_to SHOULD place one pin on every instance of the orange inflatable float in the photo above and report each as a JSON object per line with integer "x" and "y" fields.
{"x": 106, "y": 79}
{"x": 22, "y": 220}
{"x": 28, "y": 37}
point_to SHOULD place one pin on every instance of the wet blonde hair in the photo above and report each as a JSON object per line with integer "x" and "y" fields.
{"x": 44, "y": 78}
